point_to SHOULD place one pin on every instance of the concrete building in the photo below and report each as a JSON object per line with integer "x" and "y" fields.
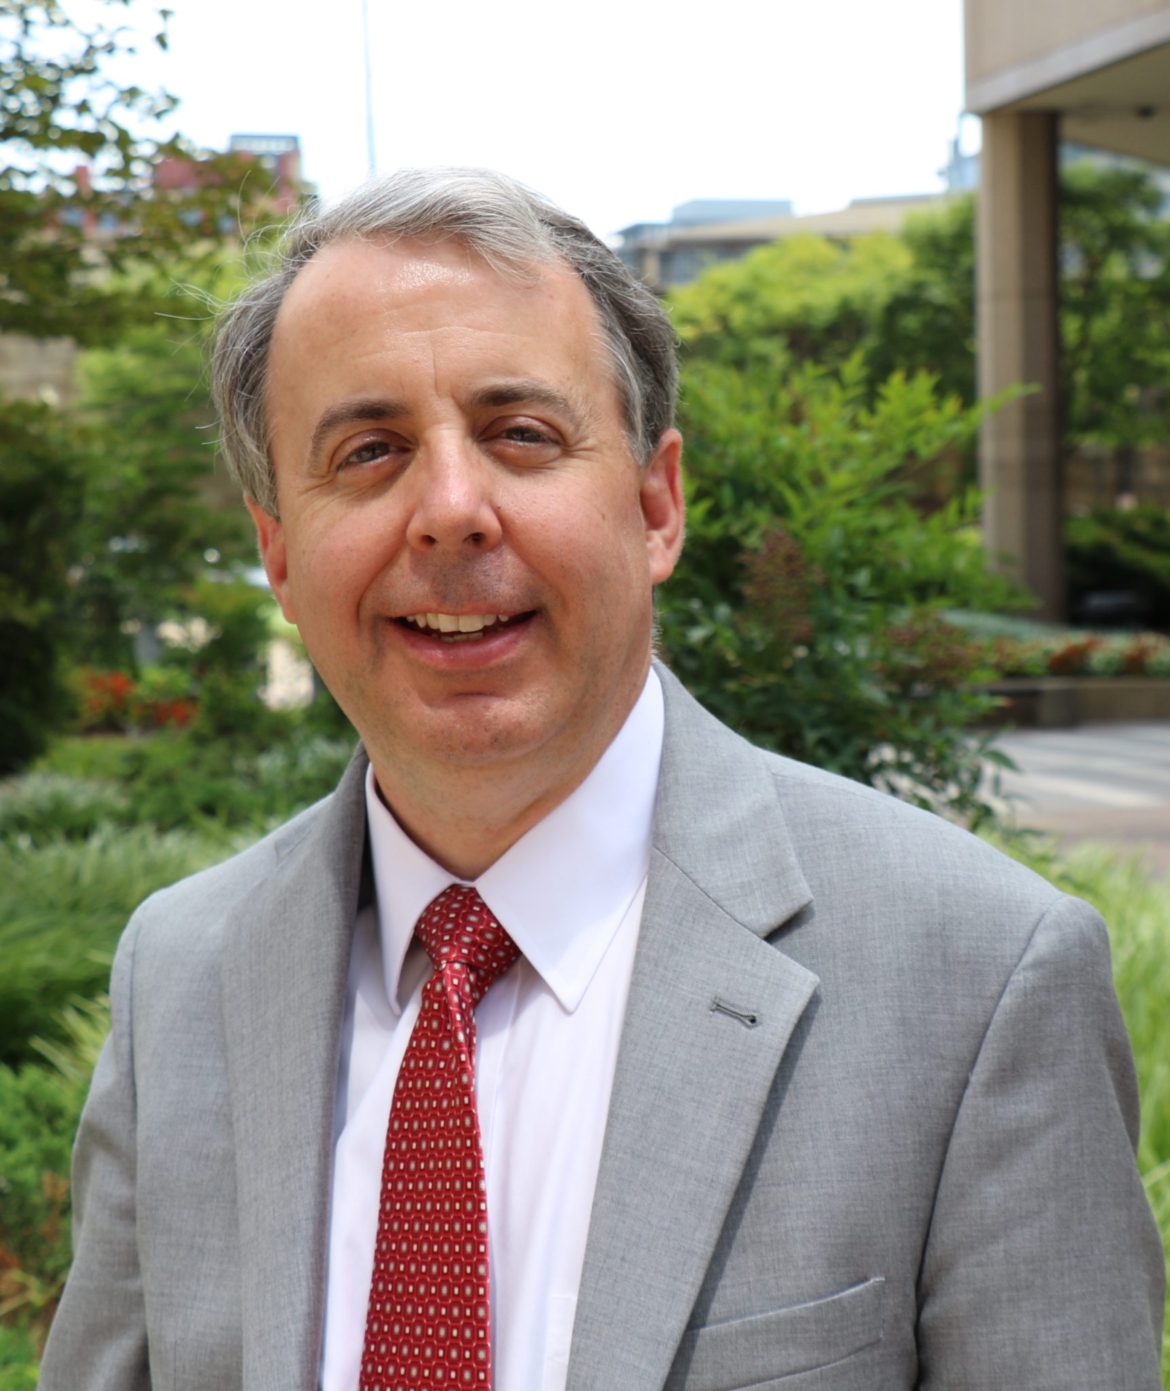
{"x": 671, "y": 253}
{"x": 666, "y": 254}
{"x": 1096, "y": 72}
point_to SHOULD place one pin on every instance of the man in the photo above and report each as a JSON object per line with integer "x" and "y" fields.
{"x": 762, "y": 1078}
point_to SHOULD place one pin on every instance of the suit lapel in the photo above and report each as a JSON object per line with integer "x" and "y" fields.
{"x": 284, "y": 982}
{"x": 711, "y": 1009}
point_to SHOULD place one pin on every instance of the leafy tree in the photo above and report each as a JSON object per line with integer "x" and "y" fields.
{"x": 1115, "y": 298}
{"x": 154, "y": 516}
{"x": 907, "y": 304}
{"x": 75, "y": 194}
{"x": 802, "y": 298}
{"x": 85, "y": 252}
{"x": 928, "y": 322}
{"x": 40, "y": 495}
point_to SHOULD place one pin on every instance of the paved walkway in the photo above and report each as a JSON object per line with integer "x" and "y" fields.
{"x": 1106, "y": 782}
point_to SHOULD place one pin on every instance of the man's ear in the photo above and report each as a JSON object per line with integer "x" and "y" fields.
{"x": 270, "y": 534}
{"x": 663, "y": 507}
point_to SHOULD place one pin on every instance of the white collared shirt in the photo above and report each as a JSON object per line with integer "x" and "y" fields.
{"x": 570, "y": 893}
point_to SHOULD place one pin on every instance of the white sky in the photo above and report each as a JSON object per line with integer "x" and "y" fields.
{"x": 618, "y": 109}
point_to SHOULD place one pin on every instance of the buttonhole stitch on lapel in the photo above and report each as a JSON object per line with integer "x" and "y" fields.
{"x": 747, "y": 1017}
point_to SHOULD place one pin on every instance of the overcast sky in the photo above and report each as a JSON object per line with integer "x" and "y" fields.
{"x": 618, "y": 109}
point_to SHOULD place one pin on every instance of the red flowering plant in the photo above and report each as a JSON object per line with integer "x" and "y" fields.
{"x": 1072, "y": 659}
{"x": 105, "y": 700}
{"x": 166, "y": 696}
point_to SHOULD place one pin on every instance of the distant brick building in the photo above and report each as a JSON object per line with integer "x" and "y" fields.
{"x": 277, "y": 160}
{"x": 43, "y": 369}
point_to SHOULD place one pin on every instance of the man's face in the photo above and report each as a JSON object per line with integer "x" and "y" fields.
{"x": 465, "y": 540}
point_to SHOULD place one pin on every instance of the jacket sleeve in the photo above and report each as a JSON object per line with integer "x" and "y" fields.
{"x": 1043, "y": 1267}
{"x": 98, "y": 1338}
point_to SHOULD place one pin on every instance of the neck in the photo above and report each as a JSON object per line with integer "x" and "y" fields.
{"x": 465, "y": 815}
{"x": 465, "y": 823}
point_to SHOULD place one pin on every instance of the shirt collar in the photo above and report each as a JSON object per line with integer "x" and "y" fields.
{"x": 562, "y": 890}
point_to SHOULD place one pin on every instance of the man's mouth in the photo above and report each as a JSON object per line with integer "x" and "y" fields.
{"x": 461, "y": 627}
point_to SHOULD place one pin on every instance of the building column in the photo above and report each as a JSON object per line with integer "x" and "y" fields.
{"x": 1018, "y": 343}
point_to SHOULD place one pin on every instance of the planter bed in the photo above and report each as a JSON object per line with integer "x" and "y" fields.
{"x": 1059, "y": 702}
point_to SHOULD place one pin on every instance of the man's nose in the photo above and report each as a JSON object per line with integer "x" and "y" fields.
{"x": 453, "y": 504}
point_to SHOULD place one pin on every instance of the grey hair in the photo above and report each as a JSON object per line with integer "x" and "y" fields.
{"x": 496, "y": 218}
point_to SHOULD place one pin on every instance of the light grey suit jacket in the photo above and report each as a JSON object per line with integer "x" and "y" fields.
{"x": 872, "y": 1124}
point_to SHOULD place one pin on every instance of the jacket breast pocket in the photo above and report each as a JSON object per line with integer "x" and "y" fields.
{"x": 766, "y": 1347}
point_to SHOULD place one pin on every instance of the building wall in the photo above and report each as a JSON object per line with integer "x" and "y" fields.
{"x": 1014, "y": 44}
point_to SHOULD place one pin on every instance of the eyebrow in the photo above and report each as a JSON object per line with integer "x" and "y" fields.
{"x": 361, "y": 411}
{"x": 529, "y": 393}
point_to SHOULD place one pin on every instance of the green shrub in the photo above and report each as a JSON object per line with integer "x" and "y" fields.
{"x": 807, "y": 608}
{"x": 63, "y": 905}
{"x": 40, "y": 491}
{"x": 55, "y": 806}
{"x": 19, "y": 1359}
{"x": 175, "y": 779}
{"x": 40, "y": 1104}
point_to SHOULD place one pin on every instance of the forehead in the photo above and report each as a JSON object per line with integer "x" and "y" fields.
{"x": 385, "y": 304}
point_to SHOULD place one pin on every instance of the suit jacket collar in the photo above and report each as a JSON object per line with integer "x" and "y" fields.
{"x": 718, "y": 818}
{"x": 711, "y": 1009}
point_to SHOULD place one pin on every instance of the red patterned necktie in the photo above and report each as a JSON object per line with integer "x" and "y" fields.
{"x": 428, "y": 1322}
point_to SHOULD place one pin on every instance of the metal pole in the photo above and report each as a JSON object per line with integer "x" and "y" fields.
{"x": 371, "y": 162}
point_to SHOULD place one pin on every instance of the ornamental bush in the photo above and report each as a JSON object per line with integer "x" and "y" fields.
{"x": 40, "y": 1105}
{"x": 806, "y": 611}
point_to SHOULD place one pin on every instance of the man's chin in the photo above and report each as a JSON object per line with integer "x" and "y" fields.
{"x": 467, "y": 731}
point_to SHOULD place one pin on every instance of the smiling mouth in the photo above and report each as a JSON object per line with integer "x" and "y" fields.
{"x": 462, "y": 627}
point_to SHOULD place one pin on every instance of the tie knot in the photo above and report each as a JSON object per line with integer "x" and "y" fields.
{"x": 458, "y": 926}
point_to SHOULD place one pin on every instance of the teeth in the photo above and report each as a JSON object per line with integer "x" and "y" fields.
{"x": 456, "y": 624}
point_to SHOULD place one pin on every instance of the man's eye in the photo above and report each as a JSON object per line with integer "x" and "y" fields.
{"x": 367, "y": 453}
{"x": 524, "y": 434}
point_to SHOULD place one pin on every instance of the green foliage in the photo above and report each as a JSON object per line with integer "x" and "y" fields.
{"x": 151, "y": 523}
{"x": 63, "y": 904}
{"x": 928, "y": 322}
{"x": 60, "y": 106}
{"x": 19, "y": 1359}
{"x": 237, "y": 615}
{"x": 181, "y": 779}
{"x": 228, "y": 628}
{"x": 40, "y": 492}
{"x": 40, "y": 1105}
{"x": 806, "y": 609}
{"x": 906, "y": 303}
{"x": 1115, "y": 291}
{"x": 801, "y": 298}
{"x": 47, "y": 806}
{"x": 1124, "y": 551}
{"x": 88, "y": 255}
